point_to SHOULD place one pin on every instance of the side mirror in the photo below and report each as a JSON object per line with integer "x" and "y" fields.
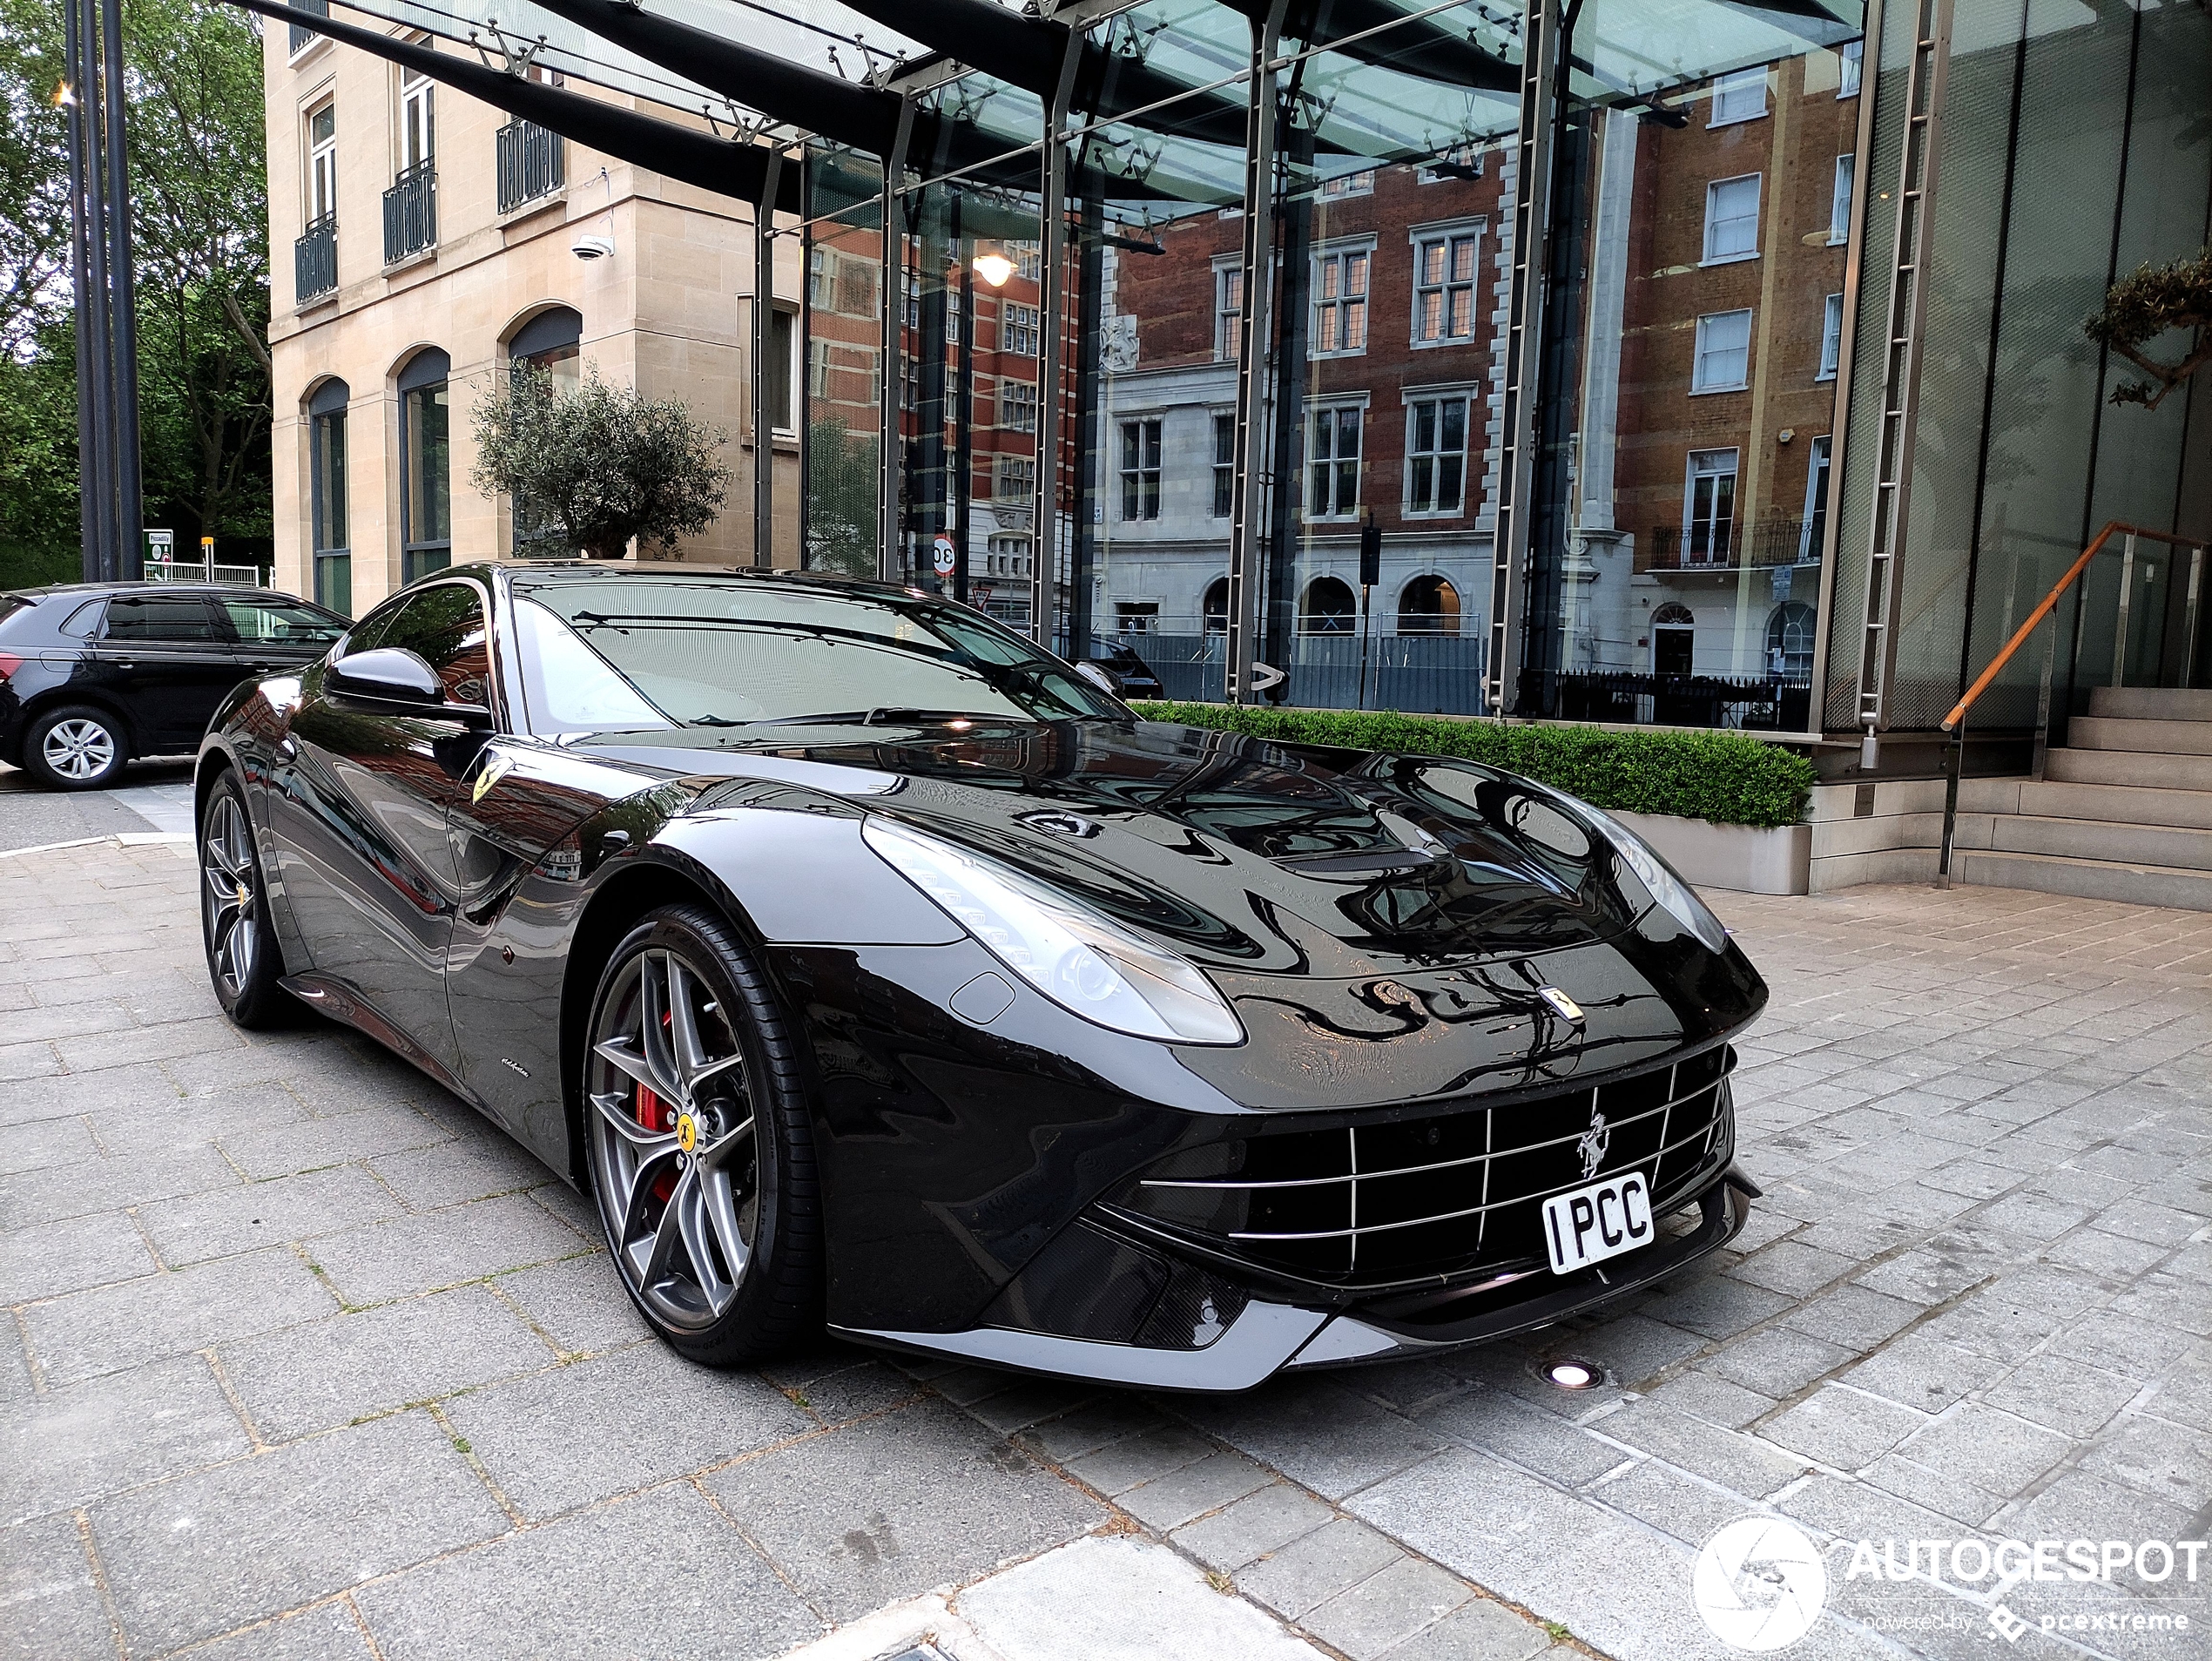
{"x": 398, "y": 681}
{"x": 1105, "y": 679}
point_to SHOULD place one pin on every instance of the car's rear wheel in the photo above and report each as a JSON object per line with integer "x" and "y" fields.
{"x": 701, "y": 1153}
{"x": 242, "y": 957}
{"x": 78, "y": 747}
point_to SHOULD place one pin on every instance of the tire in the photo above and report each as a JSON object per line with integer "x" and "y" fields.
{"x": 243, "y": 960}
{"x": 700, "y": 1147}
{"x": 76, "y": 747}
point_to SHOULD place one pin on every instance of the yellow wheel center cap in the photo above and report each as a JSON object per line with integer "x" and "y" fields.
{"x": 244, "y": 894}
{"x": 687, "y": 1133}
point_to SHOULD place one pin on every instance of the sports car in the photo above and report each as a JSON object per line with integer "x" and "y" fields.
{"x": 870, "y": 968}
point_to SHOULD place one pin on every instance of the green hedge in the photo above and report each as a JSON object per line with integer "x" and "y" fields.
{"x": 1724, "y": 777}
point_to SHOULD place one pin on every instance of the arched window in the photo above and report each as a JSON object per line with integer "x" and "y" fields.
{"x": 426, "y": 465}
{"x": 1788, "y": 642}
{"x": 1428, "y": 605}
{"x": 330, "y": 537}
{"x": 1216, "y": 606}
{"x": 1327, "y": 608}
{"x": 1673, "y": 639}
{"x": 553, "y": 341}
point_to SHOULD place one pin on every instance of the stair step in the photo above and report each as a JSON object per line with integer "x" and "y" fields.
{"x": 2118, "y": 804}
{"x": 2111, "y": 840}
{"x": 2131, "y": 733}
{"x": 2151, "y": 704}
{"x": 2134, "y": 767}
{"x": 2139, "y": 885}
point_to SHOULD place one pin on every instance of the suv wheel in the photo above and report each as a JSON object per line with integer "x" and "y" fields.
{"x": 75, "y": 748}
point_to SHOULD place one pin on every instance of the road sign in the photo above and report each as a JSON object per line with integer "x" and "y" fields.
{"x": 943, "y": 558}
{"x": 161, "y": 546}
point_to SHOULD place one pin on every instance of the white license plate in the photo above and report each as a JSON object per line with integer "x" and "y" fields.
{"x": 1595, "y": 1223}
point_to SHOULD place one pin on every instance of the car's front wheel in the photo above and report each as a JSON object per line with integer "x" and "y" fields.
{"x": 700, "y": 1148}
{"x": 242, "y": 956}
{"x": 76, "y": 748}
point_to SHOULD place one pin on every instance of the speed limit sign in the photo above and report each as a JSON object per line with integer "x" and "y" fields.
{"x": 943, "y": 558}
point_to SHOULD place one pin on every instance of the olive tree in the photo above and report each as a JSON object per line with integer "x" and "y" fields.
{"x": 595, "y": 466}
{"x": 2140, "y": 308}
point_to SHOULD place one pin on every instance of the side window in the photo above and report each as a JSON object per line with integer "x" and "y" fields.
{"x": 151, "y": 619}
{"x": 445, "y": 626}
{"x": 278, "y": 623}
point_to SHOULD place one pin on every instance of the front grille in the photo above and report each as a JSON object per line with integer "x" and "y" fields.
{"x": 1373, "y": 1205}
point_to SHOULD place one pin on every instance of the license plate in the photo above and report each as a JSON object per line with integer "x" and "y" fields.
{"x": 1595, "y": 1223}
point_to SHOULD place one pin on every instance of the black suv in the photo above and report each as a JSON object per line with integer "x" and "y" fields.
{"x": 92, "y": 674}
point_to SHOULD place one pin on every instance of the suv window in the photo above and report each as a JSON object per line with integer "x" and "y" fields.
{"x": 285, "y": 622}
{"x": 159, "y": 617}
{"x": 444, "y": 626}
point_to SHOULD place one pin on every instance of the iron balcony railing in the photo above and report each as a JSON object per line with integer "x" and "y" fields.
{"x": 300, "y": 35}
{"x": 411, "y": 211}
{"x": 314, "y": 260}
{"x": 1726, "y": 546}
{"x": 532, "y": 164}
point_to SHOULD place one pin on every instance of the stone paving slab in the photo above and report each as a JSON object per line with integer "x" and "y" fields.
{"x": 306, "y": 1358}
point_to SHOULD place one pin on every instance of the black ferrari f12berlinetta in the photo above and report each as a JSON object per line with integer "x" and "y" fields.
{"x": 869, "y": 967}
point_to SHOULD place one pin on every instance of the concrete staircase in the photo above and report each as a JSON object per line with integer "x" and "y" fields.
{"x": 2124, "y": 811}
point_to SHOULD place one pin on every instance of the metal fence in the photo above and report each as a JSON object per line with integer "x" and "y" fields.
{"x": 532, "y": 163}
{"x": 314, "y": 259}
{"x": 187, "y": 570}
{"x": 1724, "y": 546}
{"x": 411, "y": 211}
{"x": 1418, "y": 674}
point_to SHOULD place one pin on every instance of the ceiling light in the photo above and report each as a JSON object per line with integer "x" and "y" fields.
{"x": 1575, "y": 1375}
{"x": 994, "y": 268}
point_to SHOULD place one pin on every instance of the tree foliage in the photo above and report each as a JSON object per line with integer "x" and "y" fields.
{"x": 841, "y": 498}
{"x": 2152, "y": 302}
{"x": 199, "y": 196}
{"x": 604, "y": 464}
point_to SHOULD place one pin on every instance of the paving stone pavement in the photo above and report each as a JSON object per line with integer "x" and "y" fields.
{"x": 306, "y": 1359}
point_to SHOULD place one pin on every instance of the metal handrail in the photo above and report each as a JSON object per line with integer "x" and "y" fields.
{"x": 1955, "y": 722}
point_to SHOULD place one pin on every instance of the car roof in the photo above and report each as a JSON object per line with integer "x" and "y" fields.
{"x": 584, "y": 570}
{"x": 57, "y": 590}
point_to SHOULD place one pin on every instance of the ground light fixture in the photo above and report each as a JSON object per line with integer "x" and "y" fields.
{"x": 1570, "y": 1374}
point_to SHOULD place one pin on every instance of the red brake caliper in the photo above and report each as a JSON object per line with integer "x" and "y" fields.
{"x": 657, "y": 1116}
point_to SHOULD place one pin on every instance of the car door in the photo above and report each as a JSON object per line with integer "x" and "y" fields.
{"x": 274, "y": 631}
{"x": 358, "y": 808}
{"x": 163, "y": 658}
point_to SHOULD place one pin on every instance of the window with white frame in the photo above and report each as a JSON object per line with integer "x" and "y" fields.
{"x": 1732, "y": 220}
{"x": 1340, "y": 301}
{"x": 1017, "y": 479}
{"x": 1009, "y": 555}
{"x": 1018, "y": 405}
{"x": 1739, "y": 97}
{"x": 1359, "y": 184}
{"x": 1709, "y": 507}
{"x": 1228, "y": 312}
{"x": 1848, "y": 70}
{"x": 1141, "y": 469}
{"x": 418, "y": 120}
{"x": 817, "y": 368}
{"x": 952, "y": 316}
{"x": 1018, "y": 329}
{"x": 322, "y": 162}
{"x": 1839, "y": 200}
{"x": 1460, "y": 161}
{"x": 1224, "y": 466}
{"x": 1028, "y": 258}
{"x": 1831, "y": 338}
{"x": 1332, "y": 450}
{"x": 1436, "y": 454}
{"x": 1723, "y": 361}
{"x": 783, "y": 364}
{"x": 1444, "y": 268}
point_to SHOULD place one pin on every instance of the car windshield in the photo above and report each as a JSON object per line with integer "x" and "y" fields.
{"x": 618, "y": 652}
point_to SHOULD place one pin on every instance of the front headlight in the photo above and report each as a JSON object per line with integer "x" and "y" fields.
{"x": 1667, "y": 891}
{"x": 1076, "y": 958}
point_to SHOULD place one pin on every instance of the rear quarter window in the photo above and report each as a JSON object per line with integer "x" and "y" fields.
{"x": 12, "y": 606}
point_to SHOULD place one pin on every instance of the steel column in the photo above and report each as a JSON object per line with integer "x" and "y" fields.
{"x": 130, "y": 509}
{"x": 1523, "y": 354}
{"x": 1052, "y": 227}
{"x": 1249, "y": 472}
{"x": 764, "y": 337}
{"x": 891, "y": 296}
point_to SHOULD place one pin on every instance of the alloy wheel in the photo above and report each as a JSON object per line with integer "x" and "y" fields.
{"x": 226, "y": 869}
{"x": 77, "y": 749}
{"x": 678, "y": 1163}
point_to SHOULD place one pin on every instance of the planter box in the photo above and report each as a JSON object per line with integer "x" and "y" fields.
{"x": 1730, "y": 856}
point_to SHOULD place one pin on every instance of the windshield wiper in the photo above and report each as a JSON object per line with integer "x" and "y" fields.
{"x": 884, "y": 715}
